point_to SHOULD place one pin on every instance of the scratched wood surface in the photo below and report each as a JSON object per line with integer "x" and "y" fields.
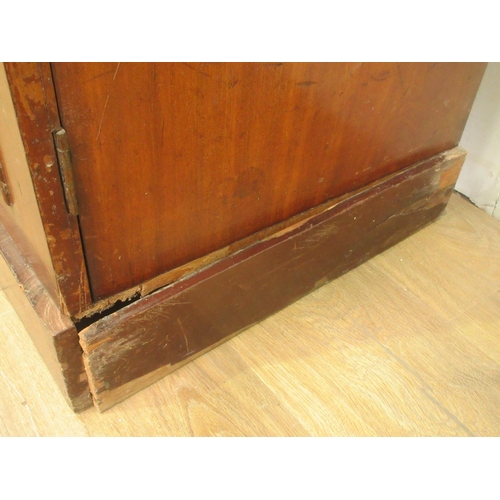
{"x": 23, "y": 213}
{"x": 134, "y": 347}
{"x": 408, "y": 344}
{"x": 53, "y": 333}
{"x": 173, "y": 161}
{"x": 36, "y": 109}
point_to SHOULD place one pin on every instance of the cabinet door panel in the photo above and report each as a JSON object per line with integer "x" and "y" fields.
{"x": 173, "y": 161}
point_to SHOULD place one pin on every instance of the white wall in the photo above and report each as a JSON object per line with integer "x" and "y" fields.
{"x": 480, "y": 176}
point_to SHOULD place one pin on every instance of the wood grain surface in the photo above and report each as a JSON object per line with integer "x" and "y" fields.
{"x": 174, "y": 161}
{"x": 23, "y": 212}
{"x": 36, "y": 109}
{"x": 407, "y": 344}
{"x": 53, "y": 333}
{"x": 135, "y": 346}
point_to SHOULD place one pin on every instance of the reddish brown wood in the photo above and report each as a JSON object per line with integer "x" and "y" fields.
{"x": 135, "y": 346}
{"x": 36, "y": 108}
{"x": 53, "y": 334}
{"x": 174, "y": 161}
{"x": 22, "y": 215}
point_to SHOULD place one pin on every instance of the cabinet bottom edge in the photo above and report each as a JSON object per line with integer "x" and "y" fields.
{"x": 137, "y": 345}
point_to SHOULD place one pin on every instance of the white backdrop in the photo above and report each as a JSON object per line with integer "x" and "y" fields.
{"x": 480, "y": 176}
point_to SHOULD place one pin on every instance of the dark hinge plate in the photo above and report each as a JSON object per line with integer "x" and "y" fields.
{"x": 66, "y": 169}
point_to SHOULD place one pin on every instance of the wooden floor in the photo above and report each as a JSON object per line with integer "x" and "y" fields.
{"x": 406, "y": 345}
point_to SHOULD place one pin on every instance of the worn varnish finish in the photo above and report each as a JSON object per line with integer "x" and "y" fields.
{"x": 54, "y": 335}
{"x": 174, "y": 161}
{"x": 22, "y": 213}
{"x": 264, "y": 160}
{"x": 36, "y": 108}
{"x": 142, "y": 342}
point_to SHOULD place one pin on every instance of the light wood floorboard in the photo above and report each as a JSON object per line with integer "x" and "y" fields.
{"x": 407, "y": 344}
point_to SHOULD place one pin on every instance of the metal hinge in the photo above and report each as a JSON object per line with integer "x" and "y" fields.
{"x": 4, "y": 185}
{"x": 66, "y": 169}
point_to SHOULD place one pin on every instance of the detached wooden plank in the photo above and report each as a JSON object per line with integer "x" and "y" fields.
{"x": 130, "y": 349}
{"x": 53, "y": 333}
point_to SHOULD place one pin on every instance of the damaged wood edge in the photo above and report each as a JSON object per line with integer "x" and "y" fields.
{"x": 271, "y": 232}
{"x": 53, "y": 334}
{"x": 35, "y": 104}
{"x": 121, "y": 393}
{"x": 135, "y": 346}
{"x": 22, "y": 218}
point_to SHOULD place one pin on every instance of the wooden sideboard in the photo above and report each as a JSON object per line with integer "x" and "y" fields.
{"x": 150, "y": 211}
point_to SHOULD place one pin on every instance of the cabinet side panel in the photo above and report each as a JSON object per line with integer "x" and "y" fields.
{"x": 36, "y": 110}
{"x": 53, "y": 334}
{"x": 22, "y": 214}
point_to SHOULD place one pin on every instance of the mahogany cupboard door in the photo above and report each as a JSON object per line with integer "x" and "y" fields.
{"x": 173, "y": 161}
